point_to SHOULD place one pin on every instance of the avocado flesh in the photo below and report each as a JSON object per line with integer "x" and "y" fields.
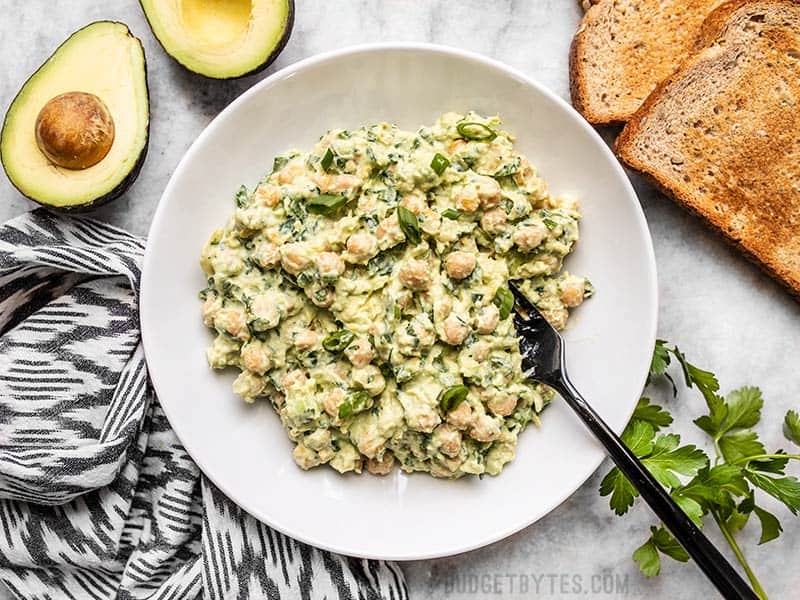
{"x": 103, "y": 59}
{"x": 221, "y": 39}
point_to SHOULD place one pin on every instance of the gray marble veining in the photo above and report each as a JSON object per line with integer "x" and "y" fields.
{"x": 722, "y": 311}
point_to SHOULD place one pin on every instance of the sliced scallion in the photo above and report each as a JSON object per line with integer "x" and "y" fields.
{"x": 409, "y": 224}
{"x": 325, "y": 204}
{"x": 452, "y": 397}
{"x": 504, "y": 301}
{"x": 439, "y": 163}
{"x": 475, "y": 131}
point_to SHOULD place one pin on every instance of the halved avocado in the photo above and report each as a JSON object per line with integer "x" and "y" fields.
{"x": 221, "y": 39}
{"x": 76, "y": 134}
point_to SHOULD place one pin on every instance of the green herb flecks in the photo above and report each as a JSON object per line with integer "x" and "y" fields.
{"x": 451, "y": 213}
{"x": 242, "y": 197}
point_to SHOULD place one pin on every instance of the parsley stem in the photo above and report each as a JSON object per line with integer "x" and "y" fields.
{"x": 740, "y": 556}
{"x": 747, "y": 459}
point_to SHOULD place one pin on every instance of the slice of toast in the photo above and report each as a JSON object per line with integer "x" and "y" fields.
{"x": 722, "y": 134}
{"x": 624, "y": 48}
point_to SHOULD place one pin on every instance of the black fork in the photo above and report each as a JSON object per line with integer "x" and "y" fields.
{"x": 543, "y": 360}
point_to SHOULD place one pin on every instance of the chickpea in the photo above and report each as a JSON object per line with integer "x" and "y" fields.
{"x": 455, "y": 330}
{"x": 425, "y": 420}
{"x": 306, "y": 339}
{"x": 322, "y": 297}
{"x": 525, "y": 172}
{"x": 370, "y": 379}
{"x": 466, "y": 199}
{"x": 442, "y": 308}
{"x": 372, "y": 445}
{"x": 494, "y": 221}
{"x": 389, "y": 232}
{"x": 267, "y": 254}
{"x": 480, "y": 350}
{"x": 484, "y": 429}
{"x": 459, "y": 265}
{"x": 415, "y": 275}
{"x": 330, "y": 265}
{"x": 294, "y": 378}
{"x": 461, "y": 416}
{"x": 268, "y": 195}
{"x": 304, "y": 457}
{"x": 233, "y": 321}
{"x": 289, "y": 173}
{"x": 447, "y": 439}
{"x": 556, "y": 317}
{"x": 431, "y": 222}
{"x": 228, "y": 261}
{"x": 488, "y": 191}
{"x": 528, "y": 237}
{"x": 456, "y": 145}
{"x": 488, "y": 319}
{"x": 248, "y": 385}
{"x": 211, "y": 306}
{"x": 572, "y": 290}
{"x": 360, "y": 352}
{"x": 361, "y": 247}
{"x": 332, "y": 401}
{"x": 255, "y": 358}
{"x": 501, "y": 403}
{"x": 423, "y": 328}
{"x": 265, "y": 310}
{"x": 383, "y": 466}
{"x": 294, "y": 258}
{"x": 335, "y": 183}
{"x": 415, "y": 202}
{"x": 318, "y": 440}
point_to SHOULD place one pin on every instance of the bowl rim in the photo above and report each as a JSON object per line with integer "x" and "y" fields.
{"x": 651, "y": 284}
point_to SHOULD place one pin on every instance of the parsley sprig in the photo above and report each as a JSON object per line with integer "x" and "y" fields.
{"x": 726, "y": 487}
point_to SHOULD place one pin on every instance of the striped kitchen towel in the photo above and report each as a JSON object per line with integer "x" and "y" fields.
{"x": 97, "y": 497}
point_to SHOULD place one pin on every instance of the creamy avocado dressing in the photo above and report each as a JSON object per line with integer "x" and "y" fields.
{"x": 362, "y": 289}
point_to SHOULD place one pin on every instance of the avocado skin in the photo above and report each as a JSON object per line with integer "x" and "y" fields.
{"x": 128, "y": 180}
{"x": 287, "y": 32}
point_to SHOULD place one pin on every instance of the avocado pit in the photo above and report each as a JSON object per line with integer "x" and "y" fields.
{"x": 75, "y": 130}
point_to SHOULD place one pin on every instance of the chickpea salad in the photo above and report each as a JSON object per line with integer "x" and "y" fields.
{"x": 361, "y": 288}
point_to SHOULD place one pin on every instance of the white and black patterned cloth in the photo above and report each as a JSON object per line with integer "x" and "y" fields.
{"x": 98, "y": 499}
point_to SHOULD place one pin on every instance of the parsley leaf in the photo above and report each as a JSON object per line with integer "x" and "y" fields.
{"x": 786, "y": 489}
{"x": 667, "y": 459}
{"x": 770, "y": 525}
{"x": 660, "y": 541}
{"x": 791, "y": 427}
{"x": 660, "y": 360}
{"x": 651, "y": 413}
{"x": 638, "y": 436}
{"x": 621, "y": 490}
{"x": 647, "y": 557}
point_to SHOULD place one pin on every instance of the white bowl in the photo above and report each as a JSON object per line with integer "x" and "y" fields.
{"x": 243, "y": 448}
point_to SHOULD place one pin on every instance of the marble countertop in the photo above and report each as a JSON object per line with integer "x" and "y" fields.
{"x": 723, "y": 312}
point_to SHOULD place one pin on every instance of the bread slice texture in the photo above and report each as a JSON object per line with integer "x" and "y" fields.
{"x": 722, "y": 134}
{"x": 624, "y": 48}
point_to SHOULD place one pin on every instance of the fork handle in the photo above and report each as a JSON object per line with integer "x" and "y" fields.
{"x": 716, "y": 567}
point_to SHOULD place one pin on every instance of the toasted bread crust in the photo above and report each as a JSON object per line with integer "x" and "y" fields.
{"x": 624, "y": 48}
{"x": 765, "y": 227}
